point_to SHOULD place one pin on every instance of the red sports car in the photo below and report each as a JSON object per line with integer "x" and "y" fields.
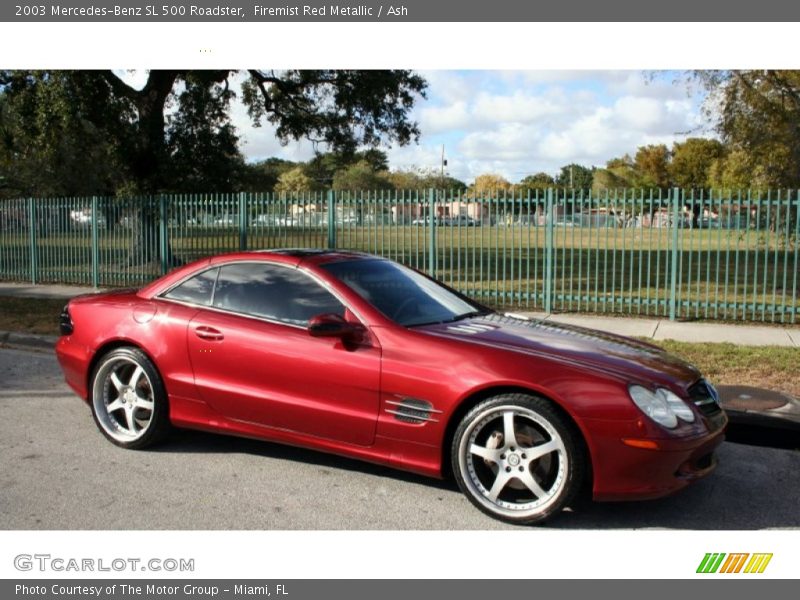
{"x": 357, "y": 355}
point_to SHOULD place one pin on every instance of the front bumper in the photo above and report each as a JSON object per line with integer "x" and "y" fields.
{"x": 623, "y": 472}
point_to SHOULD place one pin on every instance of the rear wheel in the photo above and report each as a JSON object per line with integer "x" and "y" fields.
{"x": 518, "y": 459}
{"x": 129, "y": 403}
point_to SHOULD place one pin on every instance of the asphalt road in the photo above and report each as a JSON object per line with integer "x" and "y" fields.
{"x": 59, "y": 472}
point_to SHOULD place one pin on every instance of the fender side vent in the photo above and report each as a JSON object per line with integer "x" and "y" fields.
{"x": 412, "y": 410}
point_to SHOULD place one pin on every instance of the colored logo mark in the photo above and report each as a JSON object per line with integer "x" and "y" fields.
{"x": 738, "y": 562}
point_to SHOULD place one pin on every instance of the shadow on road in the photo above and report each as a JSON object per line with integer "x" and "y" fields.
{"x": 753, "y": 488}
{"x": 189, "y": 441}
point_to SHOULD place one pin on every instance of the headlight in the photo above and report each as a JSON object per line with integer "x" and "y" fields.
{"x": 654, "y": 405}
{"x": 662, "y": 406}
{"x": 676, "y": 405}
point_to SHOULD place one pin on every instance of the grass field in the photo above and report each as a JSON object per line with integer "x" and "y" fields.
{"x": 718, "y": 273}
{"x": 770, "y": 367}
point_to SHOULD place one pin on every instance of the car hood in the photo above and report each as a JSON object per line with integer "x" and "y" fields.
{"x": 580, "y": 346}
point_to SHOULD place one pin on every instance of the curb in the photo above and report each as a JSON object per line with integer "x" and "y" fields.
{"x": 28, "y": 340}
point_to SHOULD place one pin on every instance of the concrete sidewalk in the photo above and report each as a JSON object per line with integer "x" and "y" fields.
{"x": 27, "y": 290}
{"x": 683, "y": 331}
{"x": 656, "y": 329}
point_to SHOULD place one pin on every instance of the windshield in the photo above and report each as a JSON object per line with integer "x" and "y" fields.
{"x": 403, "y": 295}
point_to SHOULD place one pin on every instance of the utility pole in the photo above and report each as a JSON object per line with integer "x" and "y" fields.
{"x": 444, "y": 164}
{"x": 441, "y": 178}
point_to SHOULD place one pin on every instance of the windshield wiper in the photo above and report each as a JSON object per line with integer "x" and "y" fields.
{"x": 467, "y": 315}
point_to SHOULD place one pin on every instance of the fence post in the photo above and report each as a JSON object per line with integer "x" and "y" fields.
{"x": 242, "y": 221}
{"x": 432, "y": 262}
{"x": 32, "y": 240}
{"x": 549, "y": 221}
{"x": 331, "y": 220}
{"x": 95, "y": 246}
{"x": 163, "y": 232}
{"x": 674, "y": 252}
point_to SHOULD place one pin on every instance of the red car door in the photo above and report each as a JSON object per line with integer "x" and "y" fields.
{"x": 254, "y": 360}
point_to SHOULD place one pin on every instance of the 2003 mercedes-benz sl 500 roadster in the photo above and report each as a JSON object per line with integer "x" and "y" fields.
{"x": 357, "y": 355}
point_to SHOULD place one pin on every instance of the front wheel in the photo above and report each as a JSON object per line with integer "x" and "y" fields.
{"x": 518, "y": 459}
{"x": 129, "y": 403}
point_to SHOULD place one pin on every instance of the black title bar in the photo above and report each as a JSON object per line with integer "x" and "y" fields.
{"x": 405, "y": 11}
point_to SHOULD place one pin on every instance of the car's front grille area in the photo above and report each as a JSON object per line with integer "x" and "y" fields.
{"x": 705, "y": 398}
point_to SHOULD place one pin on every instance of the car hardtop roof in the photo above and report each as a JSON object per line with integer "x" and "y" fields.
{"x": 288, "y": 256}
{"x": 305, "y": 255}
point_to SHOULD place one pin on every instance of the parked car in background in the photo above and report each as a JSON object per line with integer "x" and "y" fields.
{"x": 264, "y": 220}
{"x": 226, "y": 220}
{"x": 360, "y": 356}
{"x": 201, "y": 219}
{"x": 83, "y": 218}
{"x": 460, "y": 221}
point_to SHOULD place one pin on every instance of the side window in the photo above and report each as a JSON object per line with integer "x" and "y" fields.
{"x": 197, "y": 290}
{"x": 279, "y": 293}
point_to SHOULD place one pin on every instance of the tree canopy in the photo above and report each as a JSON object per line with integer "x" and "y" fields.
{"x": 651, "y": 163}
{"x": 575, "y": 176}
{"x": 490, "y": 183}
{"x": 74, "y": 132}
{"x": 692, "y": 162}
{"x": 757, "y": 115}
{"x": 361, "y": 176}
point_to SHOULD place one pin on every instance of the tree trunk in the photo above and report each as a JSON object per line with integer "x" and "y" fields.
{"x": 146, "y": 242}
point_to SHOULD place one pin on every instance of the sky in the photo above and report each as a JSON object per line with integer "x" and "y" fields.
{"x": 516, "y": 123}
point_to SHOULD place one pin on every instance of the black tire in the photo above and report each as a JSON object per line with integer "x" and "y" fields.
{"x": 525, "y": 480}
{"x": 128, "y": 399}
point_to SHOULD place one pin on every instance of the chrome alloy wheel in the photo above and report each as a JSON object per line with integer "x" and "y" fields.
{"x": 123, "y": 399}
{"x": 513, "y": 461}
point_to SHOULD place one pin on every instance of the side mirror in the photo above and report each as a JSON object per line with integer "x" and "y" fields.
{"x": 332, "y": 325}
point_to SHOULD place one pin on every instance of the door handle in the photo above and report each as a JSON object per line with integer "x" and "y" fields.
{"x": 208, "y": 333}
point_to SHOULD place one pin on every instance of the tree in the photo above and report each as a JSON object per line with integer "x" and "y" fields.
{"x": 759, "y": 114}
{"x": 343, "y": 109}
{"x": 263, "y": 176}
{"x": 361, "y": 177}
{"x": 692, "y": 161}
{"x": 735, "y": 171}
{"x": 325, "y": 165}
{"x": 652, "y": 166}
{"x": 47, "y": 145}
{"x": 295, "y": 181}
{"x": 609, "y": 179}
{"x": 201, "y": 142}
{"x": 538, "y": 181}
{"x": 420, "y": 178}
{"x": 619, "y": 173}
{"x": 490, "y": 183}
{"x": 575, "y": 176}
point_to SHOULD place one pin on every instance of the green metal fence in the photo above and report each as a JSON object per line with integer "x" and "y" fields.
{"x": 679, "y": 254}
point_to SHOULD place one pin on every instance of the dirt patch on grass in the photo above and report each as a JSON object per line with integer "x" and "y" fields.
{"x": 30, "y": 315}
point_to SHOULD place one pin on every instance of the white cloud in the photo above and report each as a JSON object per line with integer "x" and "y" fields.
{"x": 519, "y": 107}
{"x": 586, "y": 119}
{"x": 517, "y": 123}
{"x": 437, "y": 119}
